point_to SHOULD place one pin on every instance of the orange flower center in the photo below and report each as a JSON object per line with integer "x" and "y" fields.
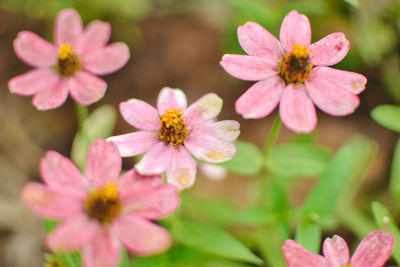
{"x": 173, "y": 129}
{"x": 296, "y": 66}
{"x": 68, "y": 62}
{"x": 103, "y": 204}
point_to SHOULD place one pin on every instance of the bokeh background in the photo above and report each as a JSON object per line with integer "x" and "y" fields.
{"x": 179, "y": 43}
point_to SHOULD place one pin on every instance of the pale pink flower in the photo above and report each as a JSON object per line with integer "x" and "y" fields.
{"x": 70, "y": 65}
{"x": 101, "y": 211}
{"x": 294, "y": 73}
{"x": 171, "y": 131}
{"x": 374, "y": 250}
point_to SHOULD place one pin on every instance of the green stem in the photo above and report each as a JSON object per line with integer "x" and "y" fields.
{"x": 82, "y": 113}
{"x": 273, "y": 134}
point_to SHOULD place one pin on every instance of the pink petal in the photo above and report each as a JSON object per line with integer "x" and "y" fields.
{"x": 133, "y": 181}
{"x": 86, "y": 88}
{"x": 156, "y": 160}
{"x": 182, "y": 172}
{"x": 259, "y": 42}
{"x": 227, "y": 130}
{"x": 351, "y": 81}
{"x": 33, "y": 81}
{"x": 103, "y": 163}
{"x": 260, "y": 99}
{"x": 49, "y": 202}
{"x": 140, "y": 236}
{"x": 68, "y": 29}
{"x": 34, "y": 50}
{"x": 72, "y": 234}
{"x": 135, "y": 143}
{"x": 205, "y": 108}
{"x": 297, "y": 256}
{"x": 329, "y": 50}
{"x": 374, "y": 250}
{"x": 169, "y": 98}
{"x": 336, "y": 251}
{"x": 331, "y": 99}
{"x": 140, "y": 115}
{"x": 96, "y": 36}
{"x": 59, "y": 173}
{"x": 297, "y": 110}
{"x": 51, "y": 97}
{"x": 102, "y": 251}
{"x": 106, "y": 60}
{"x": 249, "y": 68}
{"x": 295, "y": 29}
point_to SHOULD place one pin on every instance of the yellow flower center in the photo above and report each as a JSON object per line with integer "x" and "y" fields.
{"x": 348, "y": 265}
{"x": 296, "y": 66}
{"x": 173, "y": 129}
{"x": 103, "y": 204}
{"x": 68, "y": 62}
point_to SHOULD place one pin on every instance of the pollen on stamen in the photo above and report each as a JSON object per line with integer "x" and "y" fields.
{"x": 295, "y": 65}
{"x": 68, "y": 62}
{"x": 173, "y": 129}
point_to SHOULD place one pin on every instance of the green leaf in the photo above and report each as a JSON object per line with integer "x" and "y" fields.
{"x": 387, "y": 116}
{"x": 124, "y": 261}
{"x": 385, "y": 221}
{"x": 394, "y": 185}
{"x": 354, "y": 3}
{"x": 49, "y": 225}
{"x": 308, "y": 234}
{"x": 211, "y": 239}
{"x": 298, "y": 159}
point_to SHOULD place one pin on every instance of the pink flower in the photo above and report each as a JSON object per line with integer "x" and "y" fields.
{"x": 373, "y": 251}
{"x": 70, "y": 64}
{"x": 172, "y": 131}
{"x": 101, "y": 211}
{"x": 293, "y": 73}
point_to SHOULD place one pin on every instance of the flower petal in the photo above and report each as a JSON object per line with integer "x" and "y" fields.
{"x": 169, "y": 98}
{"x": 68, "y": 29}
{"x": 140, "y": 236}
{"x": 205, "y": 108}
{"x": 374, "y": 250}
{"x": 331, "y": 99}
{"x": 249, "y": 68}
{"x": 103, "y": 163}
{"x": 227, "y": 130}
{"x": 182, "y": 172}
{"x": 33, "y": 81}
{"x": 351, "y": 81}
{"x": 213, "y": 172}
{"x": 260, "y": 99}
{"x": 295, "y": 29}
{"x": 52, "y": 97}
{"x": 257, "y": 41}
{"x": 106, "y": 60}
{"x": 72, "y": 234}
{"x": 49, "y": 202}
{"x": 297, "y": 256}
{"x": 140, "y": 115}
{"x": 156, "y": 160}
{"x": 96, "y": 36}
{"x": 86, "y": 88}
{"x": 34, "y": 50}
{"x": 329, "y": 50}
{"x": 133, "y": 181}
{"x": 135, "y": 143}
{"x": 297, "y": 110}
{"x": 336, "y": 251}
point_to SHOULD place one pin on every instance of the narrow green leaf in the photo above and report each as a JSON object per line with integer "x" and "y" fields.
{"x": 354, "y": 3}
{"x": 308, "y": 234}
{"x": 270, "y": 244}
{"x": 394, "y": 185}
{"x": 387, "y": 116}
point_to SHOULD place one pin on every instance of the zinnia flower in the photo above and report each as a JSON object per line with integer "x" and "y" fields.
{"x": 101, "y": 211}
{"x": 172, "y": 131}
{"x": 70, "y": 64}
{"x": 373, "y": 251}
{"x": 293, "y": 73}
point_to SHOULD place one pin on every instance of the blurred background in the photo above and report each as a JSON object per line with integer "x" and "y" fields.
{"x": 179, "y": 43}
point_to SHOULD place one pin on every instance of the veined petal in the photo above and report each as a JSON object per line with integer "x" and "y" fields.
{"x": 295, "y": 29}
{"x": 169, "y": 98}
{"x": 96, "y": 36}
{"x": 182, "y": 172}
{"x": 86, "y": 88}
{"x": 336, "y": 251}
{"x": 140, "y": 115}
{"x": 135, "y": 143}
{"x": 260, "y": 99}
{"x": 297, "y": 256}
{"x": 33, "y": 81}
{"x": 227, "y": 130}
{"x": 249, "y": 68}
{"x": 259, "y": 42}
{"x": 329, "y": 50}
{"x": 68, "y": 29}
{"x": 157, "y": 160}
{"x": 205, "y": 108}
{"x": 51, "y": 97}
{"x": 34, "y": 50}
{"x": 374, "y": 250}
{"x": 297, "y": 110}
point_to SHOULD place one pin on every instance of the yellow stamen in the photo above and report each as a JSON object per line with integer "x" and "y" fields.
{"x": 296, "y": 66}
{"x": 173, "y": 129}
{"x": 68, "y": 62}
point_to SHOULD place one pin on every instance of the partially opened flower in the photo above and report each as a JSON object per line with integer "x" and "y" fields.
{"x": 171, "y": 131}
{"x": 293, "y": 73}
{"x": 101, "y": 211}
{"x": 374, "y": 250}
{"x": 70, "y": 65}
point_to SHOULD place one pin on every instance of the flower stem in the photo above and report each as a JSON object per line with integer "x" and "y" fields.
{"x": 273, "y": 134}
{"x": 82, "y": 113}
